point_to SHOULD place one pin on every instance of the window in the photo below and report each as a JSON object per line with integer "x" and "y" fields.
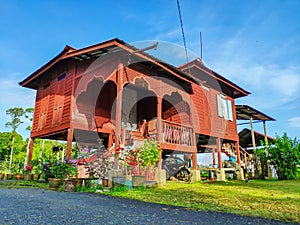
{"x": 61, "y": 77}
{"x": 224, "y": 108}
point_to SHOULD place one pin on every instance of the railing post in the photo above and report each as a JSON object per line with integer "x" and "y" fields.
{"x": 159, "y": 121}
{"x": 237, "y": 149}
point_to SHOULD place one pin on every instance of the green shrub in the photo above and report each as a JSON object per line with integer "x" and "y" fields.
{"x": 284, "y": 155}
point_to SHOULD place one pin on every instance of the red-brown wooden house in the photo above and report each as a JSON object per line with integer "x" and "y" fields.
{"x": 109, "y": 89}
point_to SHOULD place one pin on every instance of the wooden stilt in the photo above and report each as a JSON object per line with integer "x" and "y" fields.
{"x": 159, "y": 122}
{"x": 69, "y": 143}
{"x": 214, "y": 157}
{"x": 31, "y": 145}
{"x": 218, "y": 140}
{"x": 119, "y": 104}
{"x": 237, "y": 151}
{"x": 252, "y": 134}
{"x": 194, "y": 160}
{"x": 265, "y": 134}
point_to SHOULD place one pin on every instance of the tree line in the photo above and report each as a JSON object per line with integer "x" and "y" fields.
{"x": 14, "y": 148}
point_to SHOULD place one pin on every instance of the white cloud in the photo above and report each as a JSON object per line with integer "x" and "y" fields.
{"x": 169, "y": 34}
{"x": 258, "y": 68}
{"x": 14, "y": 96}
{"x": 294, "y": 122}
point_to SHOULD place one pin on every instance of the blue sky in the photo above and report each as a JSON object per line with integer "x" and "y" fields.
{"x": 255, "y": 44}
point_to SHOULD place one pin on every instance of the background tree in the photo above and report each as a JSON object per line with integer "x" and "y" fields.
{"x": 284, "y": 155}
{"x": 28, "y": 113}
{"x": 16, "y": 114}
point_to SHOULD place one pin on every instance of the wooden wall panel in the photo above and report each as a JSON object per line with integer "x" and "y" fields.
{"x": 206, "y": 107}
{"x": 37, "y": 110}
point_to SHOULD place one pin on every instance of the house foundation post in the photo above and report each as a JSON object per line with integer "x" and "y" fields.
{"x": 69, "y": 142}
{"x": 31, "y": 145}
{"x": 118, "y": 110}
{"x": 160, "y": 174}
{"x": 159, "y": 128}
{"x": 220, "y": 171}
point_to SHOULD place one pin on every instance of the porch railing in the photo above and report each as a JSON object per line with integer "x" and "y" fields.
{"x": 172, "y": 133}
{"x": 176, "y": 133}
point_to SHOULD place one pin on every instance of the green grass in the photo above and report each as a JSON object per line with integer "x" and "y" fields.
{"x": 278, "y": 200}
{"x": 23, "y": 184}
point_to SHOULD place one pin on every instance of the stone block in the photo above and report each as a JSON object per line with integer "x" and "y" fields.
{"x": 160, "y": 177}
{"x": 221, "y": 175}
{"x": 195, "y": 176}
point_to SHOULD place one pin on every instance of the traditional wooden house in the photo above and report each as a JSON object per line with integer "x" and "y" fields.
{"x": 119, "y": 93}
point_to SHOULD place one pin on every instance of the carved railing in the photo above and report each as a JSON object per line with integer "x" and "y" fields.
{"x": 177, "y": 134}
{"x": 245, "y": 157}
{"x": 172, "y": 133}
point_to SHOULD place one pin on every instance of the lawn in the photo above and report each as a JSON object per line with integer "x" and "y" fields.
{"x": 278, "y": 200}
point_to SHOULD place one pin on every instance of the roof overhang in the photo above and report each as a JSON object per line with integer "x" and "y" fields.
{"x": 245, "y": 112}
{"x": 104, "y": 48}
{"x": 210, "y": 77}
{"x": 245, "y": 138}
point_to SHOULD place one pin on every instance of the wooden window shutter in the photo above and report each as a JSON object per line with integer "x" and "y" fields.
{"x": 220, "y": 106}
{"x": 229, "y": 109}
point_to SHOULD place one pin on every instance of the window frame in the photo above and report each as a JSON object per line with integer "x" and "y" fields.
{"x": 225, "y": 109}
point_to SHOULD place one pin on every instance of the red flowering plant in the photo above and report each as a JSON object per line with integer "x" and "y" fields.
{"x": 142, "y": 157}
{"x": 28, "y": 169}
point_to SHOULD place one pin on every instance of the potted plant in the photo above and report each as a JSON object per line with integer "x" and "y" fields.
{"x": 142, "y": 158}
{"x": 55, "y": 171}
{"x": 49, "y": 173}
{"x": 13, "y": 172}
{"x": 2, "y": 168}
{"x": 18, "y": 170}
{"x": 8, "y": 172}
{"x": 36, "y": 169}
{"x": 70, "y": 177}
{"x": 27, "y": 173}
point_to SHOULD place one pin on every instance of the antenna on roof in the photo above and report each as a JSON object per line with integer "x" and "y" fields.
{"x": 183, "y": 36}
{"x": 201, "y": 45}
{"x": 154, "y": 46}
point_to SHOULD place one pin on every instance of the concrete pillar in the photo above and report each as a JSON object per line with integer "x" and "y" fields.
{"x": 240, "y": 174}
{"x": 221, "y": 175}
{"x": 160, "y": 177}
{"x": 195, "y": 175}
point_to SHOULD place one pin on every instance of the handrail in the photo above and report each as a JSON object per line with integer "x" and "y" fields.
{"x": 244, "y": 151}
{"x": 175, "y": 133}
{"x": 177, "y": 124}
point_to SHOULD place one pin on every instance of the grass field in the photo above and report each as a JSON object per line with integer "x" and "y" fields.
{"x": 278, "y": 200}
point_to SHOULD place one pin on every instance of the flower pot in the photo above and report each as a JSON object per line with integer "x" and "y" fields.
{"x": 9, "y": 176}
{"x": 54, "y": 183}
{"x": 69, "y": 185}
{"x": 27, "y": 177}
{"x": 138, "y": 181}
{"x": 19, "y": 176}
{"x": 105, "y": 182}
{"x": 35, "y": 177}
{"x": 1, "y": 176}
{"x": 118, "y": 181}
